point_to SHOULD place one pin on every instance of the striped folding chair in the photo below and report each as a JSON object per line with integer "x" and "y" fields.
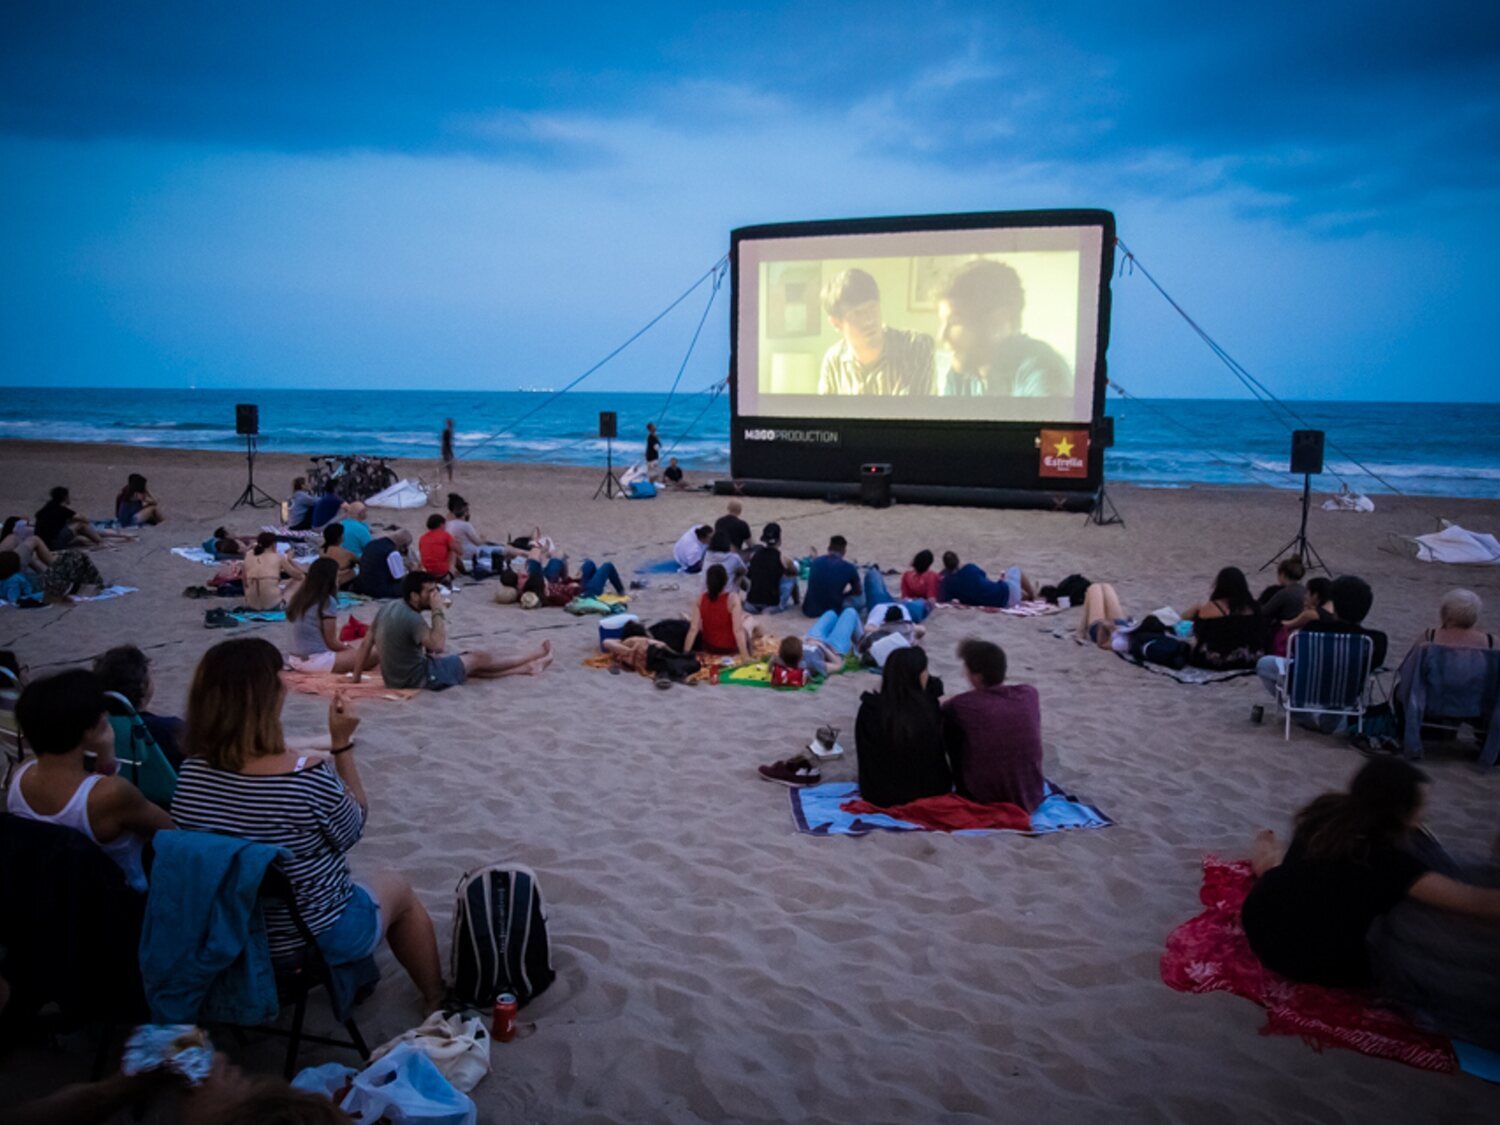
{"x": 1326, "y": 674}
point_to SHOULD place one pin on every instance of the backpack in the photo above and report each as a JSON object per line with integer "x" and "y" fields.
{"x": 500, "y": 936}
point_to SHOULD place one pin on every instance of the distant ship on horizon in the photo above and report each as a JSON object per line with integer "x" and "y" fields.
{"x": 536, "y": 390}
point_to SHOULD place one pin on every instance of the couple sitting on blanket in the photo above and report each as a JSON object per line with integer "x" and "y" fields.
{"x": 1364, "y": 896}
{"x": 984, "y": 744}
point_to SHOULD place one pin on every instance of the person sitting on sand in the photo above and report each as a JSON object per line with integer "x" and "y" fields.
{"x": 691, "y": 546}
{"x": 1353, "y": 857}
{"x": 382, "y": 565}
{"x": 333, "y": 548}
{"x": 71, "y": 572}
{"x": 1230, "y": 597}
{"x": 472, "y": 546}
{"x": 411, "y": 648}
{"x": 357, "y": 533}
{"x": 135, "y": 506}
{"x": 732, "y": 524}
{"x": 17, "y": 535}
{"x": 264, "y": 568}
{"x": 887, "y": 628}
{"x": 126, "y": 670}
{"x": 672, "y": 474}
{"x": 438, "y": 552}
{"x": 1104, "y": 622}
{"x": 921, "y": 582}
{"x": 312, "y": 615}
{"x": 1285, "y": 599}
{"x": 327, "y": 509}
{"x": 1315, "y": 606}
{"x": 241, "y": 779}
{"x": 633, "y": 647}
{"x": 994, "y": 732}
{"x": 718, "y": 623}
{"x": 59, "y": 526}
{"x": 898, "y": 734}
{"x": 721, "y": 552}
{"x": 64, "y": 720}
{"x": 1458, "y": 622}
{"x": 833, "y": 582}
{"x": 299, "y": 508}
{"x": 772, "y": 576}
{"x": 968, "y": 584}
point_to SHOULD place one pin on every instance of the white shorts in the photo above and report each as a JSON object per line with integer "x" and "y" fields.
{"x": 322, "y": 662}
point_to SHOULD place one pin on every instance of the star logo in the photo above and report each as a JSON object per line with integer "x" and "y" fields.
{"x": 1064, "y": 448}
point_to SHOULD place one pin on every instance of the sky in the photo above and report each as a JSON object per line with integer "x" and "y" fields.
{"x": 372, "y": 195}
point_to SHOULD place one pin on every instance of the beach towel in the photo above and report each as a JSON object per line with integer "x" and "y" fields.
{"x": 197, "y": 555}
{"x": 819, "y": 810}
{"x": 665, "y": 566}
{"x": 244, "y": 614}
{"x": 948, "y": 813}
{"x": 104, "y": 594}
{"x": 1032, "y": 609}
{"x": 1189, "y": 674}
{"x": 1210, "y": 953}
{"x": 328, "y": 683}
{"x": 758, "y": 675}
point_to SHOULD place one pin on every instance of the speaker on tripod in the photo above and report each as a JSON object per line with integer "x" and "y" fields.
{"x": 1104, "y": 511}
{"x": 1307, "y": 459}
{"x": 247, "y": 425}
{"x": 610, "y": 486}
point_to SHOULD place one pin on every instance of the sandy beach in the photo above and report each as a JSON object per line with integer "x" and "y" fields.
{"x": 714, "y": 964}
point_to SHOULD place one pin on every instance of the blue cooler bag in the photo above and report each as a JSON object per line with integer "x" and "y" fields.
{"x": 613, "y": 628}
{"x": 642, "y": 490}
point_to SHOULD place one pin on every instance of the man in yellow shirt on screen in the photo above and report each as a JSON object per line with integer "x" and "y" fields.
{"x": 871, "y": 359}
{"x": 979, "y": 309}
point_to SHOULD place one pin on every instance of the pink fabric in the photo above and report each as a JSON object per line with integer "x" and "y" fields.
{"x": 924, "y": 585}
{"x": 1210, "y": 954}
{"x": 949, "y": 813}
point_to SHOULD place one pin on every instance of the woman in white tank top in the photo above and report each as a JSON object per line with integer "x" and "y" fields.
{"x": 63, "y": 719}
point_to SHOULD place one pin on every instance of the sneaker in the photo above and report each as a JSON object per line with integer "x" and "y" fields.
{"x": 796, "y": 773}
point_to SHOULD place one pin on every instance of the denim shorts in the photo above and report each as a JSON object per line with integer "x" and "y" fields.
{"x": 445, "y": 671}
{"x": 357, "y": 931}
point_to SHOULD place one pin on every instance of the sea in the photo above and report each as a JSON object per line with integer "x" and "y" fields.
{"x": 1445, "y": 449}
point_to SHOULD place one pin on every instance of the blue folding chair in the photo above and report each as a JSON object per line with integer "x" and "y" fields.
{"x": 1326, "y": 674}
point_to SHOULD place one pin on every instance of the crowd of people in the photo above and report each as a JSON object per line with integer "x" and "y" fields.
{"x": 1355, "y": 861}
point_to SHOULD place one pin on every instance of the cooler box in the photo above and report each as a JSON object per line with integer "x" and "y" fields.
{"x": 613, "y": 628}
{"x": 642, "y": 490}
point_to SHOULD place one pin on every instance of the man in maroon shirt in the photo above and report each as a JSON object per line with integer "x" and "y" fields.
{"x": 994, "y": 732}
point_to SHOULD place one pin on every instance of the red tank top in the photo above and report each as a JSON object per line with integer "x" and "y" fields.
{"x": 717, "y": 634}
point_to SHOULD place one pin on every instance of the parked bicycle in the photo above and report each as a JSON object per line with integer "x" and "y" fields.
{"x": 352, "y": 476}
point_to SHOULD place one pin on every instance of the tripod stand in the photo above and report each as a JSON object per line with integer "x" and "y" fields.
{"x": 610, "y": 485}
{"x": 253, "y": 496}
{"x": 1299, "y": 546}
{"x": 1104, "y": 512}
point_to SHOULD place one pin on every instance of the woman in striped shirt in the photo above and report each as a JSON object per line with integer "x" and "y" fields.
{"x": 241, "y": 780}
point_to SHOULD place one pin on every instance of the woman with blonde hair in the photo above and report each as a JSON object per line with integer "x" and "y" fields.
{"x": 241, "y": 779}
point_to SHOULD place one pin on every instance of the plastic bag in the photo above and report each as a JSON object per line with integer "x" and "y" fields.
{"x": 406, "y": 1088}
{"x": 458, "y": 1045}
{"x": 330, "y": 1079}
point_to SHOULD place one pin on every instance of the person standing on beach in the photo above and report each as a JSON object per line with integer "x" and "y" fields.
{"x": 448, "y": 450}
{"x": 653, "y": 453}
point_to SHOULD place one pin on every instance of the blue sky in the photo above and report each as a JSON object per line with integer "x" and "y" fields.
{"x": 369, "y": 195}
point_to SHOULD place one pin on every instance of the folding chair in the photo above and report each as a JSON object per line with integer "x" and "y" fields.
{"x": 1441, "y": 688}
{"x": 142, "y": 761}
{"x": 1326, "y": 674}
{"x": 12, "y": 745}
{"x": 294, "y": 982}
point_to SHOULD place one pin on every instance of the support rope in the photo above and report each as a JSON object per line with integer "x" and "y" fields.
{"x": 719, "y": 272}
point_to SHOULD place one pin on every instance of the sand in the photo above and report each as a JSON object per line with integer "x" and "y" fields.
{"x": 716, "y": 965}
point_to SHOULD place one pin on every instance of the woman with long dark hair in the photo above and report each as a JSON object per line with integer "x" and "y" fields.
{"x": 312, "y": 616}
{"x": 718, "y": 623}
{"x": 1230, "y": 597}
{"x": 241, "y": 779}
{"x": 1353, "y": 857}
{"x": 134, "y": 505}
{"x": 899, "y": 734}
{"x": 920, "y": 581}
{"x": 264, "y": 568}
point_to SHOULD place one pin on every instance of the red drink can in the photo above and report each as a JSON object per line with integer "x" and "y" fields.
{"x": 713, "y": 674}
{"x": 503, "y": 1025}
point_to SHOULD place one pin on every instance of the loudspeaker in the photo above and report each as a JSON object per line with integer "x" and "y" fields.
{"x": 246, "y": 419}
{"x": 875, "y": 484}
{"x": 608, "y": 424}
{"x": 1307, "y": 451}
{"x": 1104, "y": 432}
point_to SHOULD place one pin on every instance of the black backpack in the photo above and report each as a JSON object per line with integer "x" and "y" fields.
{"x": 500, "y": 936}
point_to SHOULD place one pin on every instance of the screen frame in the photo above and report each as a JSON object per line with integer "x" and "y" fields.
{"x": 1009, "y": 440}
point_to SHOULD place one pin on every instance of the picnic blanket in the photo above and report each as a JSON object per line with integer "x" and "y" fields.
{"x": 664, "y": 566}
{"x": 328, "y": 683}
{"x": 822, "y": 810}
{"x": 1038, "y": 608}
{"x": 197, "y": 555}
{"x": 1210, "y": 953}
{"x": 103, "y": 595}
{"x": 244, "y": 614}
{"x": 758, "y": 675}
{"x": 1189, "y": 674}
